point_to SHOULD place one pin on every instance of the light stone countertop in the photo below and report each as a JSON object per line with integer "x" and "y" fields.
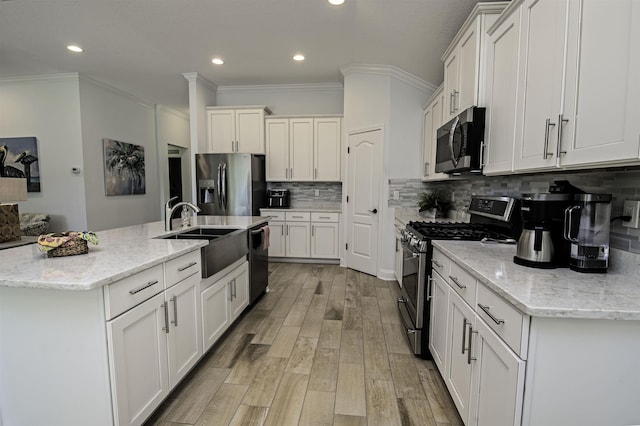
{"x": 120, "y": 253}
{"x": 557, "y": 292}
{"x": 305, "y": 209}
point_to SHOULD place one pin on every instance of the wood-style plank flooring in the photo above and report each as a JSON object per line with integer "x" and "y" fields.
{"x": 323, "y": 347}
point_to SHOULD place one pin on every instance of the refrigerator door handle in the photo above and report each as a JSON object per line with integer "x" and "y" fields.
{"x": 219, "y": 185}
{"x": 224, "y": 186}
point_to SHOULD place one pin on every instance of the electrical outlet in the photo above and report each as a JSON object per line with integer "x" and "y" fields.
{"x": 396, "y": 195}
{"x": 317, "y": 192}
{"x": 631, "y": 208}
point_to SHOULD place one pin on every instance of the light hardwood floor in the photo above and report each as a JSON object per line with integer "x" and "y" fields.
{"x": 323, "y": 347}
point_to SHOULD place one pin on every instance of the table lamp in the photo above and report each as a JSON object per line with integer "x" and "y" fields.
{"x": 11, "y": 189}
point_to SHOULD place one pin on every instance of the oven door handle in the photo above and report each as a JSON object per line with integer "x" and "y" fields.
{"x": 406, "y": 324}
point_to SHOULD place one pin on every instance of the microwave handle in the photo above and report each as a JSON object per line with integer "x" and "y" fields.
{"x": 452, "y": 132}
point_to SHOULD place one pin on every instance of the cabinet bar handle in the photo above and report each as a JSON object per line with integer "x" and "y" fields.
{"x": 187, "y": 267}
{"x": 429, "y": 287}
{"x": 313, "y": 227}
{"x": 282, "y": 230}
{"x": 485, "y": 309}
{"x": 174, "y": 299}
{"x": 546, "y": 153}
{"x": 147, "y": 285}
{"x": 237, "y": 149}
{"x": 456, "y": 282}
{"x": 464, "y": 335}
{"x": 235, "y": 293}
{"x": 471, "y": 333}
{"x": 455, "y": 98}
{"x": 324, "y": 217}
{"x": 451, "y": 103}
{"x": 561, "y": 121}
{"x": 426, "y": 169}
{"x": 166, "y": 317}
{"x": 232, "y": 146}
{"x": 230, "y": 292}
{"x": 315, "y": 173}
{"x": 435, "y": 262}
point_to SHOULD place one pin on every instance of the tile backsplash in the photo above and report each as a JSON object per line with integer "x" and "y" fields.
{"x": 622, "y": 184}
{"x": 303, "y": 194}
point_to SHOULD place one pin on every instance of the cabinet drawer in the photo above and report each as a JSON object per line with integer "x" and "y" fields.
{"x": 182, "y": 267}
{"x": 325, "y": 217}
{"x": 463, "y": 283}
{"x": 298, "y": 216}
{"x": 274, "y": 215}
{"x": 503, "y": 318}
{"x": 440, "y": 263}
{"x": 128, "y": 292}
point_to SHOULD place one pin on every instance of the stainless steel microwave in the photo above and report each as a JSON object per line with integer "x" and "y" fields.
{"x": 460, "y": 143}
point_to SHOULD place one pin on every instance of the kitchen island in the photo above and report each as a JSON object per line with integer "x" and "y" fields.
{"x": 63, "y": 320}
{"x": 544, "y": 346}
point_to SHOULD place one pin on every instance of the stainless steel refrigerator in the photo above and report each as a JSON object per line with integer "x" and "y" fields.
{"x": 231, "y": 184}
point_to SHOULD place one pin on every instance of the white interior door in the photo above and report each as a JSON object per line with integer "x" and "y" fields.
{"x": 363, "y": 192}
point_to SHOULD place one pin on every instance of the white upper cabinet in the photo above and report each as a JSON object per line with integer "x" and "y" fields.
{"x": 579, "y": 62}
{"x": 463, "y": 68}
{"x": 432, "y": 120}
{"x": 327, "y": 136}
{"x": 303, "y": 148}
{"x": 501, "y": 84}
{"x": 236, "y": 130}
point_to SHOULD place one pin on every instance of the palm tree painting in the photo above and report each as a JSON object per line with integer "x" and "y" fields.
{"x": 19, "y": 159}
{"x": 123, "y": 168}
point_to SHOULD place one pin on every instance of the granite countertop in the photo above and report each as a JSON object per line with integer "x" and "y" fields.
{"x": 323, "y": 209}
{"x": 557, "y": 292}
{"x": 121, "y": 252}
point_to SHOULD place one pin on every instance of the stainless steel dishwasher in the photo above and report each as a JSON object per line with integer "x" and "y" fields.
{"x": 258, "y": 263}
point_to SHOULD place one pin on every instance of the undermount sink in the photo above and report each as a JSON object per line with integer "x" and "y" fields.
{"x": 226, "y": 245}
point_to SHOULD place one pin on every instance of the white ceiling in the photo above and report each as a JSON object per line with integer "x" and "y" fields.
{"x": 143, "y": 46}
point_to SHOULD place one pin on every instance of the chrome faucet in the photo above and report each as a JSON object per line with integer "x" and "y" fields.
{"x": 168, "y": 211}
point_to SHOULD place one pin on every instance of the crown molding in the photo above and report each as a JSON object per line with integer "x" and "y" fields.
{"x": 169, "y": 110}
{"x": 117, "y": 91}
{"x": 391, "y": 71}
{"x": 46, "y": 77}
{"x": 315, "y": 87}
{"x": 194, "y": 77}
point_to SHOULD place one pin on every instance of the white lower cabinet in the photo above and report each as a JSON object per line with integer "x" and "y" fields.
{"x": 303, "y": 234}
{"x": 224, "y": 296}
{"x": 483, "y": 373}
{"x": 497, "y": 383}
{"x": 138, "y": 353}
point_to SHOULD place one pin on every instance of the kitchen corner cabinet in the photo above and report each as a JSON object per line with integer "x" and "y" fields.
{"x": 464, "y": 62}
{"x": 578, "y": 88}
{"x": 303, "y": 148}
{"x": 223, "y": 296}
{"x": 502, "y": 79}
{"x": 236, "y": 130}
{"x": 432, "y": 120}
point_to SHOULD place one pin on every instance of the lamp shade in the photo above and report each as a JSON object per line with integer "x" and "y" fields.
{"x": 13, "y": 189}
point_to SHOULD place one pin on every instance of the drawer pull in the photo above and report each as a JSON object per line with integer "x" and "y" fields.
{"x": 324, "y": 217}
{"x": 486, "y": 308}
{"x": 457, "y": 282}
{"x": 297, "y": 217}
{"x": 435, "y": 262}
{"x": 147, "y": 285}
{"x": 187, "y": 267}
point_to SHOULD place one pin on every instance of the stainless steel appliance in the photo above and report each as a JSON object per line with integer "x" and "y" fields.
{"x": 231, "y": 184}
{"x": 492, "y": 218}
{"x": 258, "y": 263}
{"x": 541, "y": 244}
{"x": 460, "y": 143}
{"x": 586, "y": 226}
{"x": 278, "y": 198}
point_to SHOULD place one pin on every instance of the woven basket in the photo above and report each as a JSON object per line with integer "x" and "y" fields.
{"x": 70, "y": 248}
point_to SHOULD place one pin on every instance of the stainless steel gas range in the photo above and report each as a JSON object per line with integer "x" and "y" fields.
{"x": 492, "y": 219}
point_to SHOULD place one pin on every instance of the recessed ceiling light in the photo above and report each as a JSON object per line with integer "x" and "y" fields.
{"x": 298, "y": 57}
{"x": 336, "y": 2}
{"x": 74, "y": 48}
{"x": 217, "y": 61}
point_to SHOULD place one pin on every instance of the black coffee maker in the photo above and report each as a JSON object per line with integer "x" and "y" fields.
{"x": 542, "y": 243}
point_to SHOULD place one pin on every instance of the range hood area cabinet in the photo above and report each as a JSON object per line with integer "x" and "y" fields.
{"x": 463, "y": 65}
{"x": 432, "y": 120}
{"x": 577, "y": 93}
{"x": 304, "y": 148}
{"x": 236, "y": 130}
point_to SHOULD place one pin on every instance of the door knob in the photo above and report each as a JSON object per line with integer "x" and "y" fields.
{"x": 374, "y": 211}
